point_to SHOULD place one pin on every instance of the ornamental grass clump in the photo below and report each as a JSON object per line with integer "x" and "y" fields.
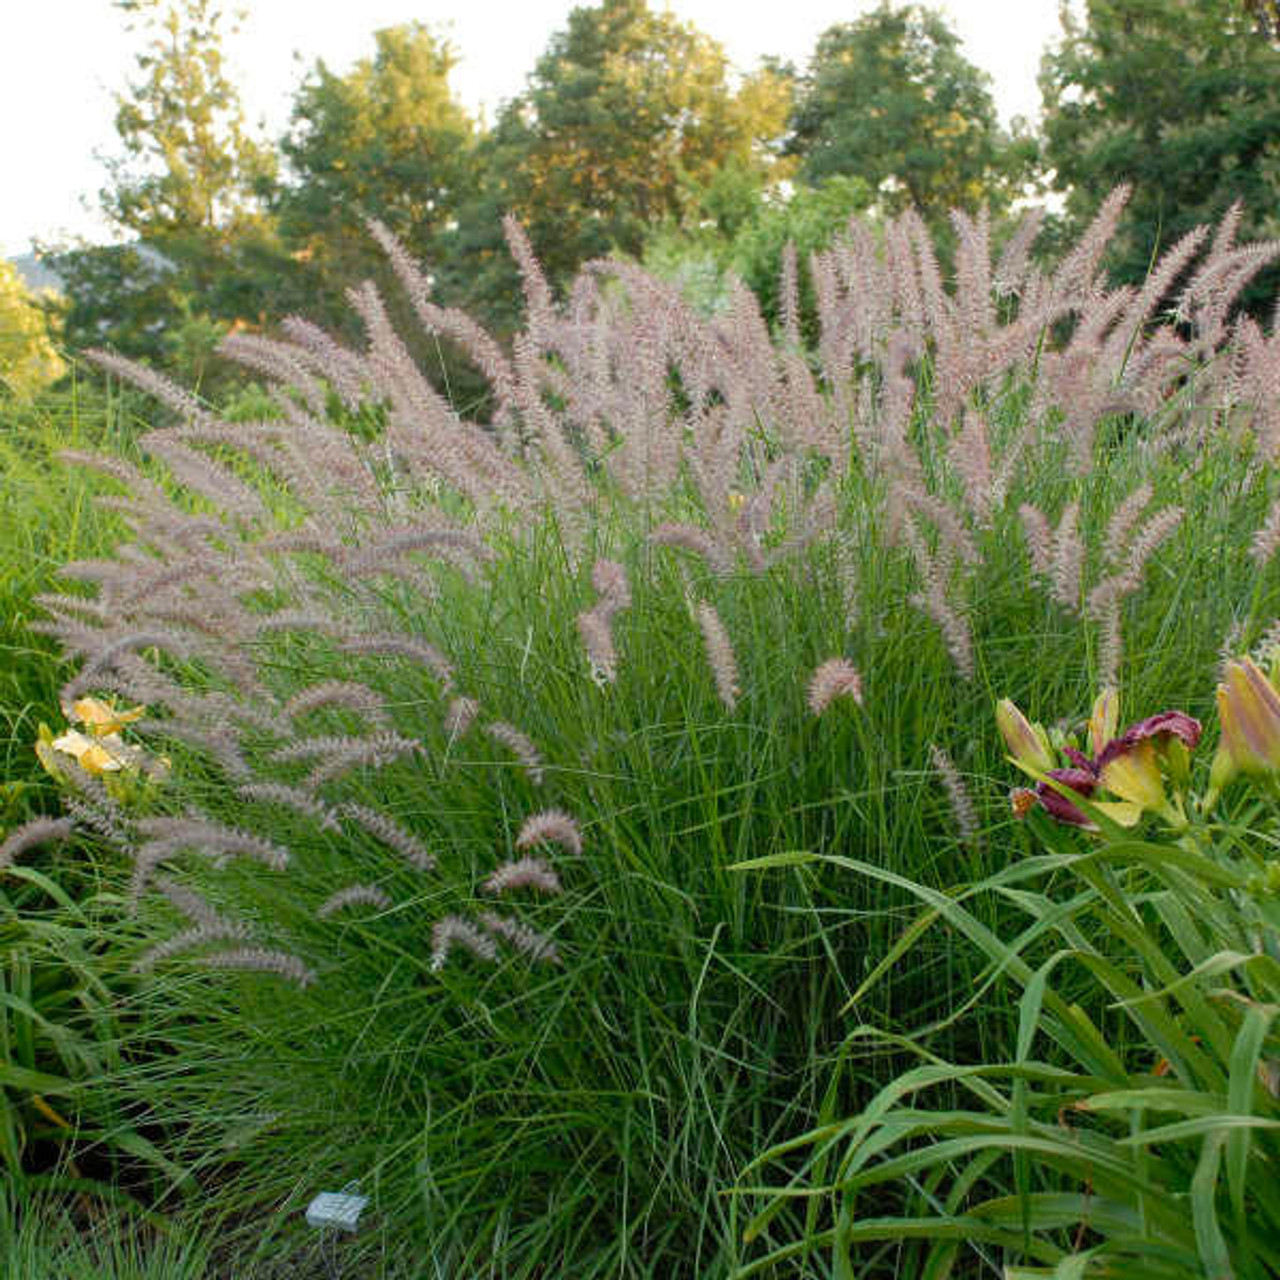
{"x": 469, "y": 720}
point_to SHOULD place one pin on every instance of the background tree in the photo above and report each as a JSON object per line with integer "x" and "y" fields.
{"x": 1266, "y": 14}
{"x": 188, "y": 164}
{"x": 189, "y": 188}
{"x": 387, "y": 140}
{"x": 626, "y": 119}
{"x": 1181, "y": 98}
{"x": 702, "y": 259}
{"x": 28, "y": 358}
{"x": 889, "y": 99}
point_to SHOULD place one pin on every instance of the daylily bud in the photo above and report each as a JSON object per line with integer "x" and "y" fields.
{"x": 1104, "y": 720}
{"x": 1221, "y": 772}
{"x": 1249, "y": 712}
{"x": 1028, "y": 743}
{"x": 45, "y": 753}
{"x": 1178, "y": 761}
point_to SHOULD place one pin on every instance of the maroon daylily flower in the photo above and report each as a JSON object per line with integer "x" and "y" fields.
{"x": 1139, "y": 783}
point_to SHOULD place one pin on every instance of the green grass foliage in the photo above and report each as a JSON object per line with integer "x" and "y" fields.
{"x": 605, "y": 1113}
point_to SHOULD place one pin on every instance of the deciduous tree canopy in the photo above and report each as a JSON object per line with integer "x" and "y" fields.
{"x": 189, "y": 163}
{"x": 387, "y": 140}
{"x": 189, "y": 190}
{"x": 890, "y": 99}
{"x": 28, "y": 360}
{"x": 1180, "y": 98}
{"x": 626, "y": 117}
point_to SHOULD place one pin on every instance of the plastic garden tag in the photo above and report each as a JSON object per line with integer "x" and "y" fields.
{"x": 340, "y": 1209}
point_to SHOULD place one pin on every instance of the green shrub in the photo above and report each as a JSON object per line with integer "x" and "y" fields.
{"x": 29, "y": 360}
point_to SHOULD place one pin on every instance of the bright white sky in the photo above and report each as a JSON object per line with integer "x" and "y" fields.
{"x": 61, "y": 61}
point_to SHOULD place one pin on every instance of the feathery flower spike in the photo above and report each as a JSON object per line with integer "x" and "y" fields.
{"x": 535, "y": 945}
{"x": 550, "y": 826}
{"x": 524, "y": 873}
{"x": 724, "y": 665}
{"x": 31, "y": 834}
{"x": 364, "y": 894}
{"x": 835, "y": 678}
{"x": 454, "y": 931}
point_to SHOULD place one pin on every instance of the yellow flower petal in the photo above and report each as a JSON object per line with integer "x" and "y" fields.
{"x": 1135, "y": 776}
{"x": 1126, "y": 813}
{"x": 97, "y": 755}
{"x": 99, "y": 760}
{"x": 72, "y": 743}
{"x": 102, "y": 718}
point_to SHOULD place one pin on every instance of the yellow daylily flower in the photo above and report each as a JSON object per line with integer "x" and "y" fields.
{"x": 96, "y": 755}
{"x": 1124, "y": 812}
{"x": 101, "y": 718}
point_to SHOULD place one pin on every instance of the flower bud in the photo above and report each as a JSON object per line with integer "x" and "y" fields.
{"x": 1249, "y": 712}
{"x": 1104, "y": 720}
{"x": 1028, "y": 743}
{"x": 45, "y": 753}
{"x": 1221, "y": 772}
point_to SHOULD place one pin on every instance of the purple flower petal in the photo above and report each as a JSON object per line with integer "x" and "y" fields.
{"x": 1168, "y": 724}
{"x": 1080, "y": 760}
{"x": 1114, "y": 749}
{"x": 1079, "y": 780}
{"x": 1175, "y": 724}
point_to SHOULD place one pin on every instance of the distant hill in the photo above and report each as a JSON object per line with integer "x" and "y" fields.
{"x": 35, "y": 274}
